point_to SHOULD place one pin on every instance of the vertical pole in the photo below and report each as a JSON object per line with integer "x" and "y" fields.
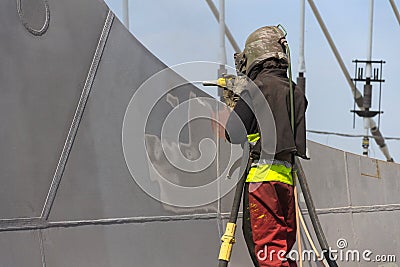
{"x": 368, "y": 75}
{"x": 368, "y": 72}
{"x": 222, "y": 56}
{"x": 229, "y": 35}
{"x": 125, "y": 10}
{"x": 302, "y": 64}
{"x": 301, "y": 80}
{"x": 222, "y": 49}
{"x": 221, "y": 72}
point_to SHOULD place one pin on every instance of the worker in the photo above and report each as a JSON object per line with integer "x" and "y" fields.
{"x": 269, "y": 221}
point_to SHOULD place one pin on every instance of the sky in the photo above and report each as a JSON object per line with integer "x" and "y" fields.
{"x": 179, "y": 31}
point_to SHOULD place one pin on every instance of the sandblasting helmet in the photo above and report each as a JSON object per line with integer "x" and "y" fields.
{"x": 264, "y": 43}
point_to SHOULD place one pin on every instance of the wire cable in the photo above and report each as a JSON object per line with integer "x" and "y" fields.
{"x": 309, "y": 238}
{"x": 349, "y": 135}
{"x": 298, "y": 235}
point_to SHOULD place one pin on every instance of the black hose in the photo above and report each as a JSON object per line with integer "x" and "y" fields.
{"x": 313, "y": 215}
{"x": 234, "y": 211}
{"x": 239, "y": 188}
{"x": 246, "y": 162}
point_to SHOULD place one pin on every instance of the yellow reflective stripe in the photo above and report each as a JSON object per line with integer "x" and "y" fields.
{"x": 252, "y": 138}
{"x": 269, "y": 173}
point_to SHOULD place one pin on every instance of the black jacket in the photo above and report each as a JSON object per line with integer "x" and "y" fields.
{"x": 274, "y": 85}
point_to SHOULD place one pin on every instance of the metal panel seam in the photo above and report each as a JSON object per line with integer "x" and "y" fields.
{"x": 42, "y": 224}
{"x": 77, "y": 116}
{"x": 358, "y": 209}
{"x": 350, "y": 202}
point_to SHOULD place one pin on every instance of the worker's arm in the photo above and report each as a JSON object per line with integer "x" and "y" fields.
{"x": 241, "y": 118}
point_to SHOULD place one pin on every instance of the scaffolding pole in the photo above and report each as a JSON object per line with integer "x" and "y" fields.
{"x": 395, "y": 10}
{"x": 228, "y": 33}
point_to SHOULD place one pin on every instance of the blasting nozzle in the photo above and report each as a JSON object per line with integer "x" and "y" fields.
{"x": 233, "y": 83}
{"x": 227, "y": 81}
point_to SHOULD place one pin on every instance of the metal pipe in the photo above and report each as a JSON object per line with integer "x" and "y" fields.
{"x": 395, "y": 10}
{"x": 221, "y": 72}
{"x": 222, "y": 49}
{"x": 368, "y": 69}
{"x": 368, "y": 75}
{"x": 302, "y": 64}
{"x": 125, "y": 10}
{"x": 356, "y": 93}
{"x": 227, "y": 31}
{"x": 301, "y": 80}
{"x": 380, "y": 141}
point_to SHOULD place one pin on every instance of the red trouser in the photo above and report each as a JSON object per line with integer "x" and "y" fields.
{"x": 269, "y": 222}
